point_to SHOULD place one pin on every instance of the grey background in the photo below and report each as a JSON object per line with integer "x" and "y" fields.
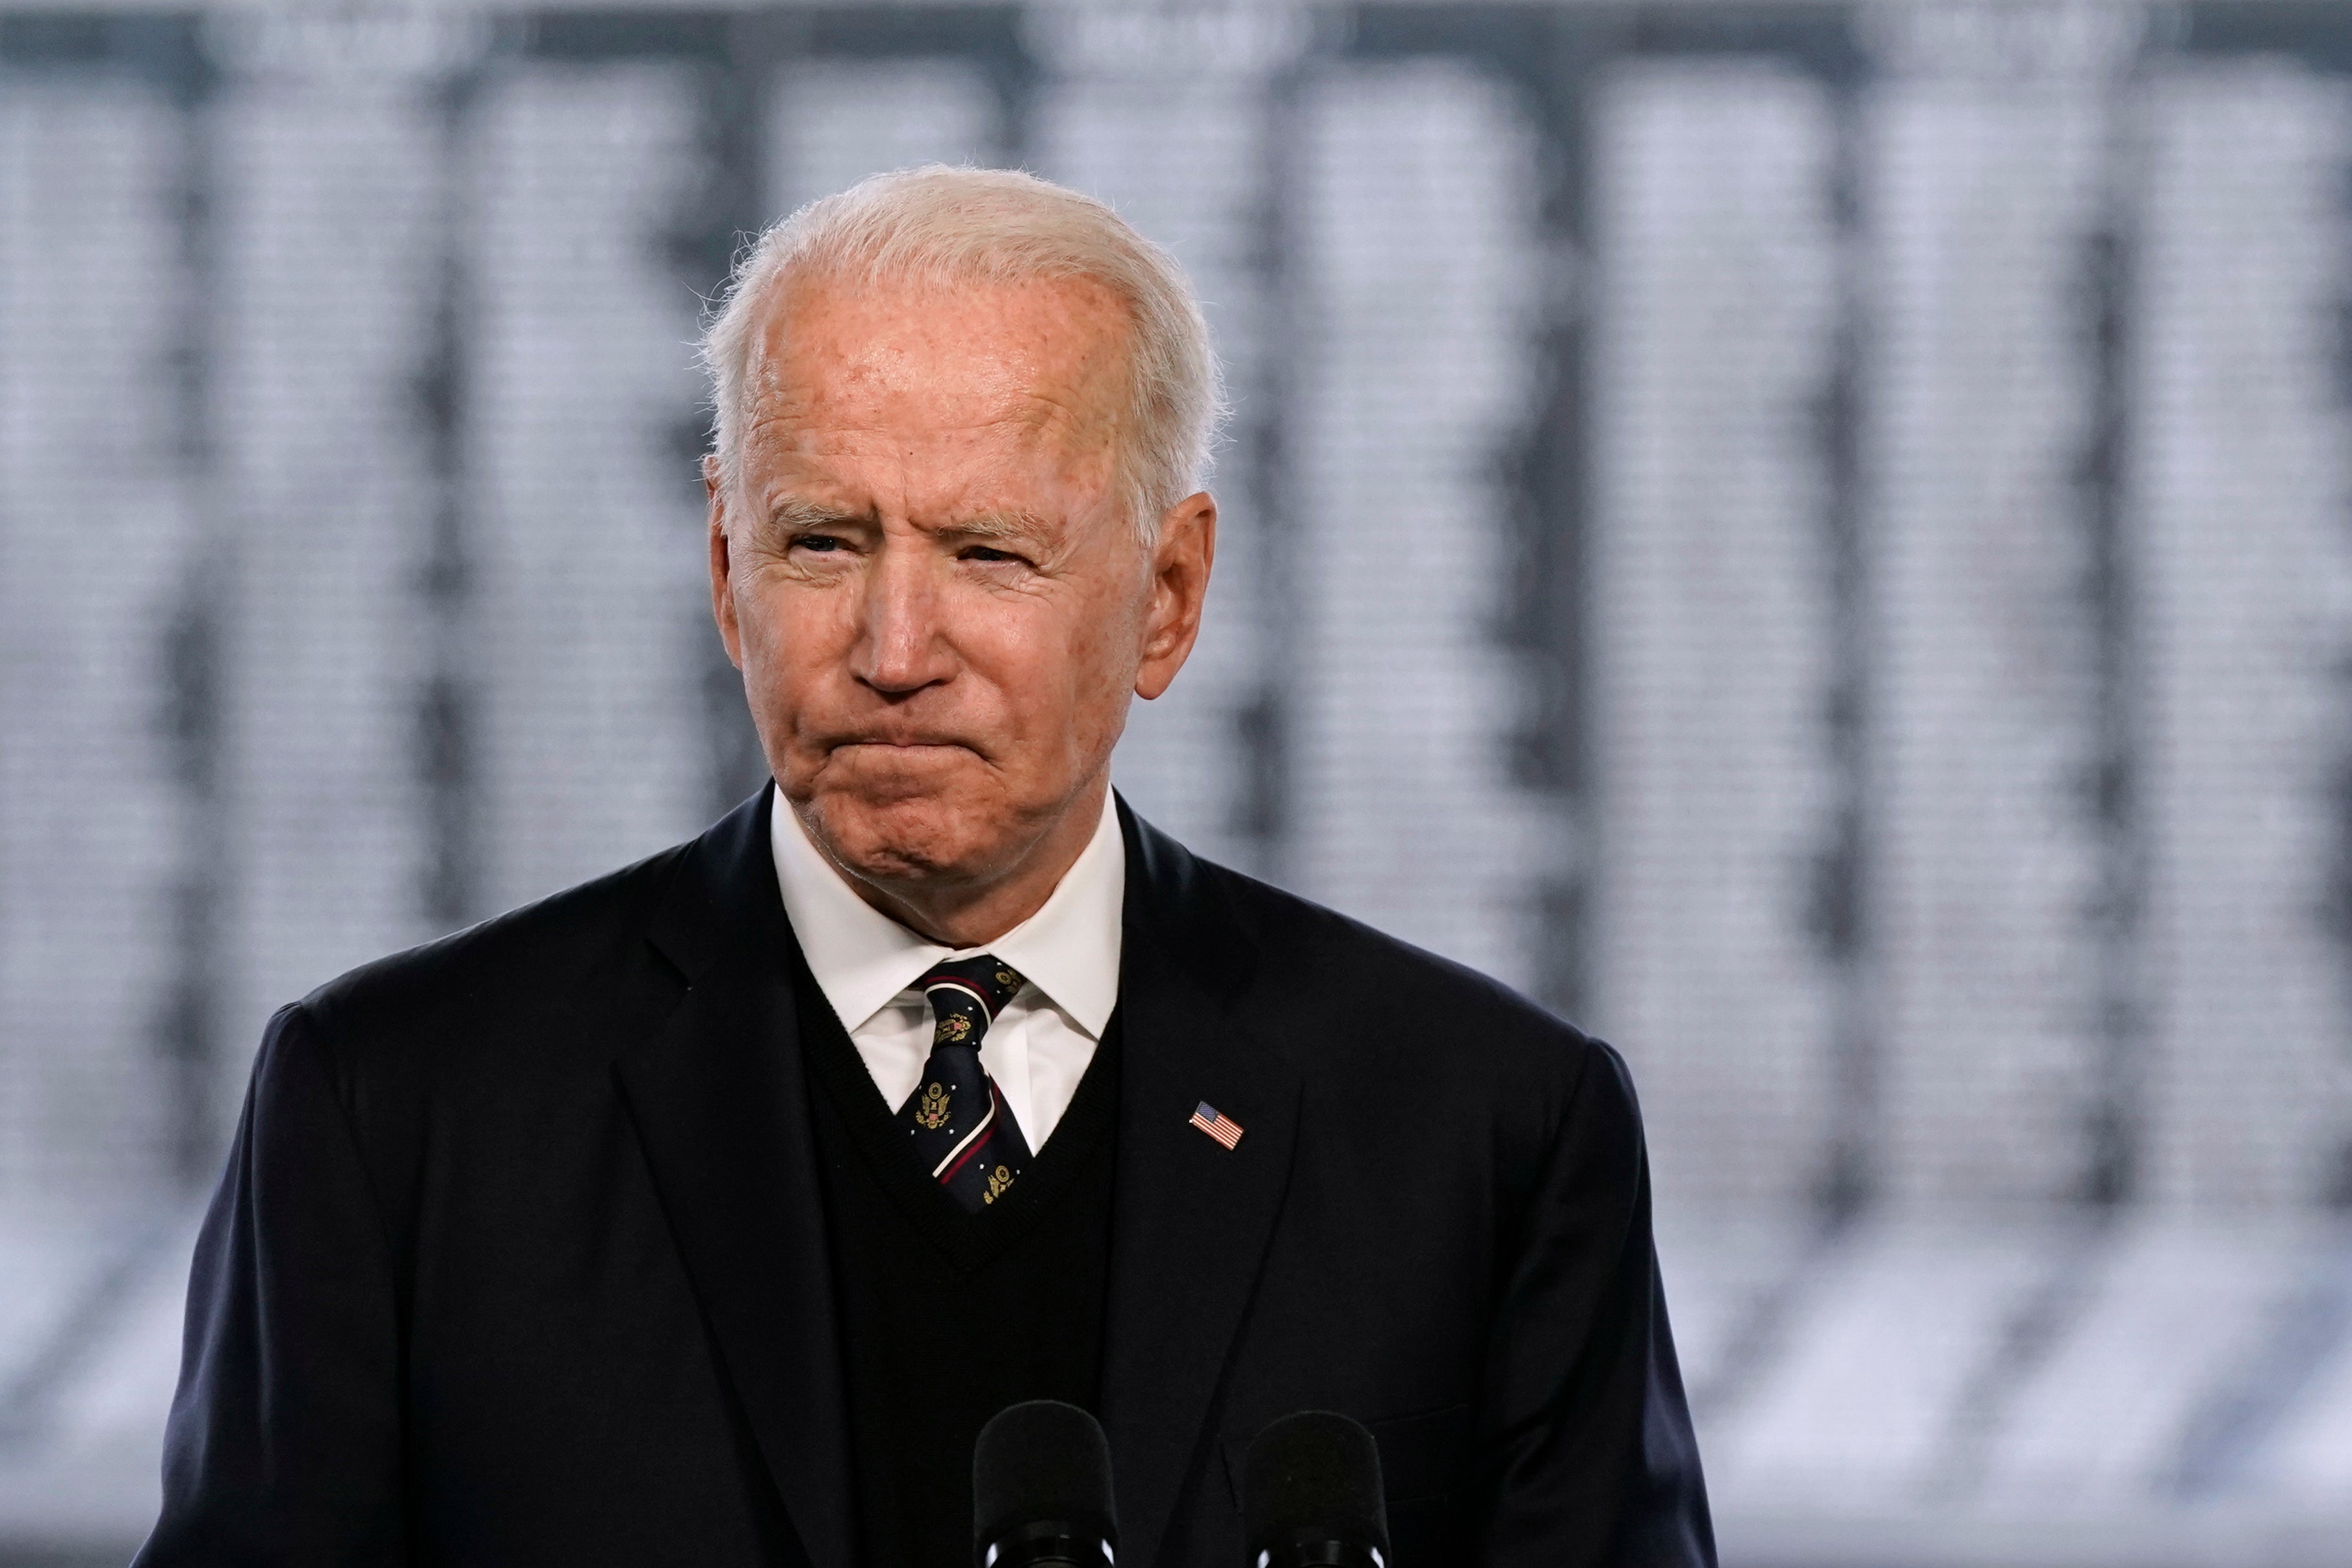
{"x": 1814, "y": 539}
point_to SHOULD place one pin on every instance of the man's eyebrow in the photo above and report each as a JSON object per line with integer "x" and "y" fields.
{"x": 795, "y": 513}
{"x": 998, "y": 525}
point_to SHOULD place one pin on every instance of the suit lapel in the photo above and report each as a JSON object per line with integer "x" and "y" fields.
{"x": 1192, "y": 1218}
{"x": 720, "y": 1104}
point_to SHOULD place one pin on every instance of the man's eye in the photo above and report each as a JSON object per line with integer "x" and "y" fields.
{"x": 982, "y": 552}
{"x": 823, "y": 544}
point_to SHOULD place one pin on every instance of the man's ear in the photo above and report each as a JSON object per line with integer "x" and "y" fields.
{"x": 1180, "y": 559}
{"x": 722, "y": 588}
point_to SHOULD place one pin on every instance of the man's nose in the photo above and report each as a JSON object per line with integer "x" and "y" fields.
{"x": 902, "y": 645}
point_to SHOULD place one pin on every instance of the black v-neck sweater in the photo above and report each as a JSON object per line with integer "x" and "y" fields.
{"x": 947, "y": 1317}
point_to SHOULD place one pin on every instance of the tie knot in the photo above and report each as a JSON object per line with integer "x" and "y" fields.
{"x": 966, "y": 996}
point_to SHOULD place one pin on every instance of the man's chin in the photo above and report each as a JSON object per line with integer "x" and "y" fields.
{"x": 901, "y": 834}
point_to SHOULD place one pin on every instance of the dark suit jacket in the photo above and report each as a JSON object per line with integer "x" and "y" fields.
{"x": 520, "y": 1257}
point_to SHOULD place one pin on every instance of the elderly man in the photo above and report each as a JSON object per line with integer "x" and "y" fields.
{"x": 702, "y": 1214}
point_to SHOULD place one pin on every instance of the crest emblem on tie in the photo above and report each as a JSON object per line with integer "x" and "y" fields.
{"x": 952, "y": 1029}
{"x": 998, "y": 1180}
{"x": 931, "y": 1110}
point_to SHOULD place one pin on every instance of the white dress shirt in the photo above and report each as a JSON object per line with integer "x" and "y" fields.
{"x": 866, "y": 963}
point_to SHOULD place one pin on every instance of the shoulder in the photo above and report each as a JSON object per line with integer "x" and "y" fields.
{"x": 1346, "y": 1003}
{"x": 1400, "y": 1047}
{"x": 495, "y": 989}
{"x": 1349, "y": 964}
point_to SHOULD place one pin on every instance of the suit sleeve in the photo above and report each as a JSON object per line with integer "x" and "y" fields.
{"x": 1594, "y": 1460}
{"x": 284, "y": 1444}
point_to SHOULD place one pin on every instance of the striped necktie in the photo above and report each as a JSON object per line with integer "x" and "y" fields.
{"x": 960, "y": 1125}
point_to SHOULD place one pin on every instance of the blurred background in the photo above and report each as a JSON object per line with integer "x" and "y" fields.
{"x": 1815, "y": 538}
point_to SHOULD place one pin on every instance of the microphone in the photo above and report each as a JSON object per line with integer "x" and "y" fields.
{"x": 1311, "y": 1495}
{"x": 1041, "y": 1489}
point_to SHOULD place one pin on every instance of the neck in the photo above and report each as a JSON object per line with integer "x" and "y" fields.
{"x": 971, "y": 914}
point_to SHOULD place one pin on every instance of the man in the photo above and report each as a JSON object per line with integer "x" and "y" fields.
{"x": 701, "y": 1215}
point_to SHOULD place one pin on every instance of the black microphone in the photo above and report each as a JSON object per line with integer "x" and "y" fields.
{"x": 1041, "y": 1489}
{"x": 1311, "y": 1495}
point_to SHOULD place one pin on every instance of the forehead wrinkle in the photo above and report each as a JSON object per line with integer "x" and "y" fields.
{"x": 1002, "y": 441}
{"x": 1021, "y": 411}
{"x": 1043, "y": 430}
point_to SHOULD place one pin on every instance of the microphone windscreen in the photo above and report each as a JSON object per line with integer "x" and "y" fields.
{"x": 1043, "y": 1460}
{"x": 1313, "y": 1472}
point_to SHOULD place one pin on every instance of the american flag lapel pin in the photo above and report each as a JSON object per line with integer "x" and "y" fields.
{"x": 1216, "y": 1123}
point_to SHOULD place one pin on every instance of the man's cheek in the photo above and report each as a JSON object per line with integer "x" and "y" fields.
{"x": 797, "y": 639}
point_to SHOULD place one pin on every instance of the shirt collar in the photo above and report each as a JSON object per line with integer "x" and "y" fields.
{"x": 862, "y": 958}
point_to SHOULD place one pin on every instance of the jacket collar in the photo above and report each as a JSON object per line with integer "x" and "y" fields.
{"x": 720, "y": 1099}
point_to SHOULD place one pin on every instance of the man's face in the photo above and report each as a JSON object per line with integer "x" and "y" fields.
{"x": 925, "y": 577}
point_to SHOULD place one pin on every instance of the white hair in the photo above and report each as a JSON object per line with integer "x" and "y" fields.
{"x": 935, "y": 224}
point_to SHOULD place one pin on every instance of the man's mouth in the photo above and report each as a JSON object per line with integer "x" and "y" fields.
{"x": 903, "y": 743}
